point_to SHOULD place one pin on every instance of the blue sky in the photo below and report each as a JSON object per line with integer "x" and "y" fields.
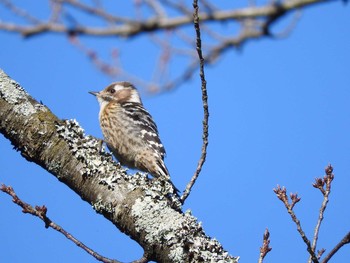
{"x": 279, "y": 113}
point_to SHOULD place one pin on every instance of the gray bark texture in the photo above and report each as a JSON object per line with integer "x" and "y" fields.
{"x": 141, "y": 208}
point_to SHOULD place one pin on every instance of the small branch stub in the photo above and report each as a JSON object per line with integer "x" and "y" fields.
{"x": 265, "y": 249}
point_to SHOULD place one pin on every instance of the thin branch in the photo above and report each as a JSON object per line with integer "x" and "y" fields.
{"x": 288, "y": 30}
{"x": 211, "y": 57}
{"x": 179, "y": 6}
{"x": 324, "y": 185}
{"x": 320, "y": 253}
{"x": 209, "y": 6}
{"x": 40, "y": 212}
{"x": 20, "y": 12}
{"x": 97, "y": 11}
{"x": 205, "y": 105}
{"x": 56, "y": 11}
{"x": 156, "y": 7}
{"x": 265, "y": 249}
{"x": 281, "y": 194}
{"x": 344, "y": 241}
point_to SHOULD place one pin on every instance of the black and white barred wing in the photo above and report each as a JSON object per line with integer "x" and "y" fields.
{"x": 143, "y": 126}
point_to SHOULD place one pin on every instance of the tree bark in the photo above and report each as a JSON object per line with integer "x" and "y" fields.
{"x": 141, "y": 208}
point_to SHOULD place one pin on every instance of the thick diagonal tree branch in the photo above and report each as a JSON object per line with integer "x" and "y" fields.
{"x": 135, "y": 205}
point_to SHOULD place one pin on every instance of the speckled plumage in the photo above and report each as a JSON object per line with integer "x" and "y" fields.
{"x": 129, "y": 130}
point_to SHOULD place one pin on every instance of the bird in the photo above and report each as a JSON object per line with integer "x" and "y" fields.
{"x": 130, "y": 131}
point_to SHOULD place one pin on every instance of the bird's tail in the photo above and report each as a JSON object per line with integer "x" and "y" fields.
{"x": 164, "y": 173}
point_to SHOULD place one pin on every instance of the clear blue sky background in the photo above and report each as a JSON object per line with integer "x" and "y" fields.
{"x": 279, "y": 113}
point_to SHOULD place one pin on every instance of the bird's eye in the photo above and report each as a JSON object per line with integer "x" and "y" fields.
{"x": 112, "y": 91}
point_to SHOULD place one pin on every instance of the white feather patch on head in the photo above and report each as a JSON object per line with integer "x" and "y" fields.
{"x": 134, "y": 95}
{"x": 118, "y": 87}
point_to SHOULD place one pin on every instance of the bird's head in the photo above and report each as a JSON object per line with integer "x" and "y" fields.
{"x": 117, "y": 92}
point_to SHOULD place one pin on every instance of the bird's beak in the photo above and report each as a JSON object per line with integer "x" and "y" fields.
{"x": 93, "y": 93}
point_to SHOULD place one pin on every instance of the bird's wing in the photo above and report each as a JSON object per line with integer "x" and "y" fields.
{"x": 144, "y": 126}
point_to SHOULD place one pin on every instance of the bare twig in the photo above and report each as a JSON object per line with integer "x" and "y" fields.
{"x": 288, "y": 30}
{"x": 205, "y": 105}
{"x": 56, "y": 10}
{"x": 345, "y": 240}
{"x": 320, "y": 253}
{"x": 96, "y": 10}
{"x": 40, "y": 212}
{"x": 212, "y": 55}
{"x": 265, "y": 247}
{"x": 324, "y": 185}
{"x": 19, "y": 12}
{"x": 106, "y": 68}
{"x": 156, "y": 7}
{"x": 282, "y": 195}
{"x": 208, "y": 6}
{"x": 178, "y": 5}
